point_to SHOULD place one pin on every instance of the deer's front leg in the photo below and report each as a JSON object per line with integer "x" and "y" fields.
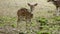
{"x": 28, "y": 26}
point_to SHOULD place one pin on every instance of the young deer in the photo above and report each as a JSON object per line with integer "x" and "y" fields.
{"x": 56, "y": 3}
{"x": 25, "y": 14}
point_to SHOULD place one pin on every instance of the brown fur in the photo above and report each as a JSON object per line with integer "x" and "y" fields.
{"x": 23, "y": 12}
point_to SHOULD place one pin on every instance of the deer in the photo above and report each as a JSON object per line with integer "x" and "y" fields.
{"x": 56, "y": 3}
{"x": 25, "y": 14}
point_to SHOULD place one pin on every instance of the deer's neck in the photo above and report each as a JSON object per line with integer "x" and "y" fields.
{"x": 31, "y": 9}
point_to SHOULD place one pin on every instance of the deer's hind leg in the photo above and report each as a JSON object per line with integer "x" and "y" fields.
{"x": 19, "y": 23}
{"x": 20, "y": 18}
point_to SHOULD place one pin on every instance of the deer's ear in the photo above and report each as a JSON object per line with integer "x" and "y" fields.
{"x": 36, "y": 4}
{"x": 28, "y": 4}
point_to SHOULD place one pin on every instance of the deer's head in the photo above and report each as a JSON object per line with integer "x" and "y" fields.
{"x": 32, "y": 6}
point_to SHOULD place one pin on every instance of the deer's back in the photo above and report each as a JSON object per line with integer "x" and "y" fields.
{"x": 24, "y": 13}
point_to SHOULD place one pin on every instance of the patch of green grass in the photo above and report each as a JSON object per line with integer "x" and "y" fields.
{"x": 4, "y": 20}
{"x": 57, "y": 18}
{"x": 43, "y": 32}
{"x": 38, "y": 32}
{"x": 33, "y": 24}
{"x": 42, "y": 20}
{"x": 14, "y": 25}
